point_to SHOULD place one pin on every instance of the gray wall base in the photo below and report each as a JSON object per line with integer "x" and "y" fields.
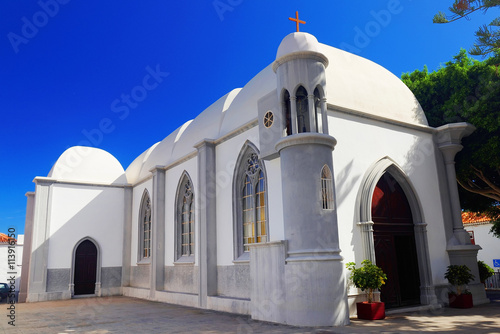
{"x": 299, "y": 293}
{"x": 182, "y": 278}
{"x": 184, "y": 299}
{"x": 140, "y": 276}
{"x": 467, "y": 254}
{"x": 47, "y": 296}
{"x": 234, "y": 281}
{"x": 231, "y": 305}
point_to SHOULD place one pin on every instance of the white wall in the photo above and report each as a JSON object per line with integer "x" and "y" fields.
{"x": 361, "y": 143}
{"x": 490, "y": 244}
{"x": 78, "y": 211}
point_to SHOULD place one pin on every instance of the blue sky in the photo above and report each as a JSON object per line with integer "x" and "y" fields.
{"x": 69, "y": 65}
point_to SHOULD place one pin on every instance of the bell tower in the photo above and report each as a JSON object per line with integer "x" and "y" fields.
{"x": 302, "y": 142}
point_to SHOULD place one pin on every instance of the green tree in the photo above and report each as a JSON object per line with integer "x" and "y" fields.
{"x": 467, "y": 90}
{"x": 487, "y": 36}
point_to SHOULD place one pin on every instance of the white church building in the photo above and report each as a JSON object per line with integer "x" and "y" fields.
{"x": 256, "y": 205}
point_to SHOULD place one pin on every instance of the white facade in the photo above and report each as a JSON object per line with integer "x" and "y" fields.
{"x": 282, "y": 257}
{"x": 490, "y": 245}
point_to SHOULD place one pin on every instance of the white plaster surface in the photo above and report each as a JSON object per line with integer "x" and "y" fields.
{"x": 490, "y": 244}
{"x": 360, "y": 143}
{"x": 88, "y": 164}
{"x": 84, "y": 211}
{"x": 297, "y": 42}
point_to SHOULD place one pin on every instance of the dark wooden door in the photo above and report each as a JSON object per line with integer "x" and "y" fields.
{"x": 394, "y": 239}
{"x": 85, "y": 268}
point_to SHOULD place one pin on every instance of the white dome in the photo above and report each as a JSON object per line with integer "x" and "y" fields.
{"x": 353, "y": 83}
{"x": 88, "y": 164}
{"x": 297, "y": 42}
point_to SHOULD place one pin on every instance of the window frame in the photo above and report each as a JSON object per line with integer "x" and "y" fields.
{"x": 327, "y": 199}
{"x": 239, "y": 177}
{"x": 179, "y": 207}
{"x": 143, "y": 210}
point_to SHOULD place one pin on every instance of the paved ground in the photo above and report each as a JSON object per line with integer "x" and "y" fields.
{"x": 129, "y": 315}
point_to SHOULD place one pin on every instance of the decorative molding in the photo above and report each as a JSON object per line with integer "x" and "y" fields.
{"x": 364, "y": 219}
{"x": 48, "y": 181}
{"x": 306, "y": 138}
{"x": 362, "y": 114}
{"x": 300, "y": 55}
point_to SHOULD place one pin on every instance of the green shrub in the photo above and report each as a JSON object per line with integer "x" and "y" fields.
{"x": 458, "y": 276}
{"x": 485, "y": 271}
{"x": 369, "y": 277}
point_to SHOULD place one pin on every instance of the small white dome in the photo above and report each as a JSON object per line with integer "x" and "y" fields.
{"x": 89, "y": 164}
{"x": 297, "y": 42}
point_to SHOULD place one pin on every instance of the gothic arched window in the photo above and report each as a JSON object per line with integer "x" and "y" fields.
{"x": 317, "y": 111}
{"x": 145, "y": 228}
{"x": 250, "y": 202}
{"x": 185, "y": 218}
{"x": 287, "y": 113}
{"x": 326, "y": 188}
{"x": 303, "y": 121}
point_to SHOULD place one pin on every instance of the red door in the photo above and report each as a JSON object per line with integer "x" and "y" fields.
{"x": 394, "y": 238}
{"x": 85, "y": 268}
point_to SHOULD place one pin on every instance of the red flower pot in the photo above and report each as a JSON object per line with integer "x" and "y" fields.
{"x": 460, "y": 301}
{"x": 371, "y": 311}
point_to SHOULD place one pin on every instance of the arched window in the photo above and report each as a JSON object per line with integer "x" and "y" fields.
{"x": 327, "y": 188}
{"x": 303, "y": 121}
{"x": 145, "y": 228}
{"x": 317, "y": 111}
{"x": 185, "y": 219}
{"x": 250, "y": 202}
{"x": 287, "y": 113}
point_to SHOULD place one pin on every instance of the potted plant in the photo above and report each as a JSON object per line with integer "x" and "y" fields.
{"x": 485, "y": 271}
{"x": 459, "y": 276}
{"x": 368, "y": 278}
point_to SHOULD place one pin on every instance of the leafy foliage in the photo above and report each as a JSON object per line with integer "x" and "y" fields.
{"x": 485, "y": 271}
{"x": 459, "y": 275}
{"x": 467, "y": 90}
{"x": 368, "y": 277}
{"x": 487, "y": 36}
{"x": 495, "y": 229}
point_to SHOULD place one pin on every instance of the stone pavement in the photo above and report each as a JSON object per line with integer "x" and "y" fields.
{"x": 129, "y": 315}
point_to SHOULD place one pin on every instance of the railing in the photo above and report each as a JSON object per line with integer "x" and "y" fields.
{"x": 493, "y": 282}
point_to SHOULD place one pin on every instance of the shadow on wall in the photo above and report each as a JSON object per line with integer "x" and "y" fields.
{"x": 98, "y": 214}
{"x": 344, "y": 181}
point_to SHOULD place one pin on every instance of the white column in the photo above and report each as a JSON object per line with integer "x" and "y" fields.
{"x": 367, "y": 235}
{"x": 207, "y": 235}
{"x": 449, "y": 142}
{"x": 28, "y": 232}
{"x": 37, "y": 283}
{"x": 157, "y": 278}
{"x": 127, "y": 236}
{"x": 324, "y": 116}
{"x": 460, "y": 250}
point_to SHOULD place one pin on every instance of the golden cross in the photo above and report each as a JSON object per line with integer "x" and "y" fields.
{"x": 296, "y": 19}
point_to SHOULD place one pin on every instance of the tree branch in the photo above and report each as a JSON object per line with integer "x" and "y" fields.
{"x": 484, "y": 192}
{"x": 480, "y": 174}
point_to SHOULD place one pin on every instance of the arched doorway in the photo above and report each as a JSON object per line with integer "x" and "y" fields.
{"x": 85, "y": 268}
{"x": 394, "y": 243}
